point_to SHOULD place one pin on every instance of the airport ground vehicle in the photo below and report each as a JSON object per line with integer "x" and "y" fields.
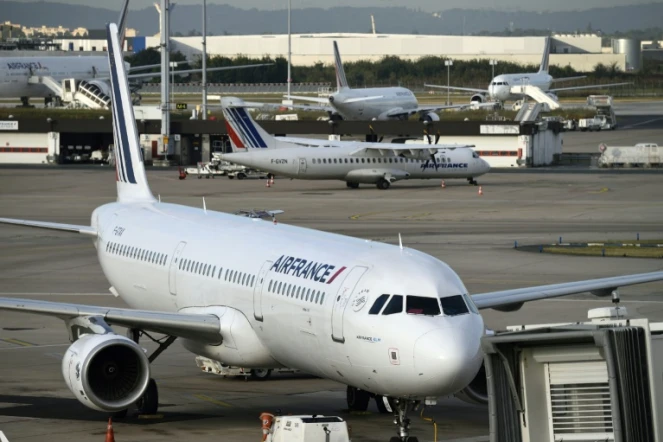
{"x": 599, "y": 122}
{"x": 640, "y": 155}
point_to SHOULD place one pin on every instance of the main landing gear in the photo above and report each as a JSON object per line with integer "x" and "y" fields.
{"x": 472, "y": 182}
{"x": 149, "y": 401}
{"x": 383, "y": 184}
{"x": 352, "y": 185}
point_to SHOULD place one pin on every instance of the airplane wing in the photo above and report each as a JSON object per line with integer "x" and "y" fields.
{"x": 600, "y": 287}
{"x": 152, "y": 66}
{"x": 408, "y": 149}
{"x": 594, "y": 86}
{"x": 454, "y": 88}
{"x": 195, "y": 71}
{"x": 424, "y": 109}
{"x": 306, "y": 107}
{"x": 183, "y": 325}
{"x": 560, "y": 80}
{"x": 311, "y": 99}
{"x": 85, "y": 230}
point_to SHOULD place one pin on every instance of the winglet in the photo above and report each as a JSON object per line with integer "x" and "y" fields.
{"x": 129, "y": 168}
{"x": 341, "y": 80}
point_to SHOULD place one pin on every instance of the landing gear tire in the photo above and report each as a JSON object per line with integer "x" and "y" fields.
{"x": 383, "y": 184}
{"x": 260, "y": 374}
{"x": 352, "y": 185}
{"x": 379, "y": 401}
{"x": 149, "y": 401}
{"x": 357, "y": 399}
{"x": 472, "y": 181}
{"x": 398, "y": 439}
{"x": 241, "y": 176}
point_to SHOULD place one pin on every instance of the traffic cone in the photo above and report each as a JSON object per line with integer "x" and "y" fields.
{"x": 443, "y": 185}
{"x": 271, "y": 181}
{"x": 267, "y": 184}
{"x": 480, "y": 191}
{"x": 110, "y": 435}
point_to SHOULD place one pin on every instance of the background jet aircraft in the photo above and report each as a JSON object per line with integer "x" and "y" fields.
{"x": 384, "y": 103}
{"x": 351, "y": 161}
{"x": 537, "y": 85}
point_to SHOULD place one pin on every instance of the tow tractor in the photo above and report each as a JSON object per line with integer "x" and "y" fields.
{"x": 218, "y": 368}
{"x": 304, "y": 428}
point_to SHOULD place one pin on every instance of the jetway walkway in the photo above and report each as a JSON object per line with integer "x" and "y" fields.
{"x": 536, "y": 94}
{"x": 75, "y": 93}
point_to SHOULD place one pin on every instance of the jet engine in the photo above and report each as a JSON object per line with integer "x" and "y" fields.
{"x": 430, "y": 117}
{"x": 478, "y": 98}
{"x": 103, "y": 86}
{"x": 509, "y": 307}
{"x": 106, "y": 372}
{"x": 477, "y": 391}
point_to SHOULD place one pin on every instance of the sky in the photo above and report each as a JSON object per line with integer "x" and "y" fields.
{"x": 426, "y": 5}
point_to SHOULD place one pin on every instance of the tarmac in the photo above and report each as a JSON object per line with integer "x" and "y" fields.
{"x": 474, "y": 234}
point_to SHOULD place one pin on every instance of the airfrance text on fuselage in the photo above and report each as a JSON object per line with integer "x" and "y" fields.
{"x": 302, "y": 268}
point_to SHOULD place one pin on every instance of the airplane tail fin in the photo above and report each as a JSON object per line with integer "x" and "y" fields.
{"x": 341, "y": 80}
{"x": 545, "y": 58}
{"x": 129, "y": 168}
{"x": 243, "y": 131}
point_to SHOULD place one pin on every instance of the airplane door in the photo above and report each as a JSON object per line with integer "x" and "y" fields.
{"x": 172, "y": 279}
{"x": 340, "y": 303}
{"x": 302, "y": 165}
{"x": 257, "y": 291}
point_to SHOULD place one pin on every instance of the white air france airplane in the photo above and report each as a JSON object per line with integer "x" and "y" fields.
{"x": 537, "y": 85}
{"x": 384, "y": 320}
{"x": 29, "y": 77}
{"x": 384, "y": 103}
{"x": 354, "y": 162}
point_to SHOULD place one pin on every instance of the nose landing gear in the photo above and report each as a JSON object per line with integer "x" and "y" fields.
{"x": 472, "y": 181}
{"x": 401, "y": 408}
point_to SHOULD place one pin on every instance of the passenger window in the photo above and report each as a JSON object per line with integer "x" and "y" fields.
{"x": 317, "y": 297}
{"x": 362, "y": 161}
{"x": 378, "y": 304}
{"x": 269, "y": 287}
{"x": 395, "y": 305}
{"x": 420, "y": 305}
{"x": 243, "y": 278}
{"x": 253, "y": 280}
{"x": 324, "y": 160}
{"x": 454, "y": 305}
{"x": 225, "y": 277}
{"x": 308, "y": 295}
{"x": 213, "y": 271}
{"x": 279, "y": 289}
{"x": 334, "y": 160}
{"x": 322, "y": 299}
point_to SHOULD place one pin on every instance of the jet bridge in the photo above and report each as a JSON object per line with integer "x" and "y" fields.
{"x": 76, "y": 93}
{"x": 591, "y": 381}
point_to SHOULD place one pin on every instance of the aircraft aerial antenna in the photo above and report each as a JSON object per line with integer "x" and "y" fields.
{"x": 400, "y": 241}
{"x": 159, "y": 197}
{"x": 204, "y": 206}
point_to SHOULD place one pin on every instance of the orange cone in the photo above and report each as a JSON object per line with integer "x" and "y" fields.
{"x": 443, "y": 185}
{"x": 271, "y": 181}
{"x": 110, "y": 435}
{"x": 267, "y": 184}
{"x": 480, "y": 191}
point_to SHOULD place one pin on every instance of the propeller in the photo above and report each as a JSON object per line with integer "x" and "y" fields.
{"x": 437, "y": 138}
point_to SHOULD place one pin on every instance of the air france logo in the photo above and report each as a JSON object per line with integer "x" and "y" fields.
{"x": 302, "y": 268}
{"x": 23, "y": 65}
{"x": 435, "y": 165}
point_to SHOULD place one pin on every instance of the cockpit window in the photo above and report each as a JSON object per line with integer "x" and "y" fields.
{"x": 419, "y": 305}
{"x": 470, "y": 303}
{"x": 378, "y": 304}
{"x": 395, "y": 305}
{"x": 475, "y": 155}
{"x": 454, "y": 305}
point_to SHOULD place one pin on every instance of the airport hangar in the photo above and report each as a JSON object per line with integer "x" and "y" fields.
{"x": 60, "y": 141}
{"x": 582, "y": 51}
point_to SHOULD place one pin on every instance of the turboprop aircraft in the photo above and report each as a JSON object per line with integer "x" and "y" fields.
{"x": 387, "y": 321}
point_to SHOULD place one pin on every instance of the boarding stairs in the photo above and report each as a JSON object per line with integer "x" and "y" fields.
{"x": 75, "y": 93}
{"x": 529, "y": 113}
{"x": 536, "y": 94}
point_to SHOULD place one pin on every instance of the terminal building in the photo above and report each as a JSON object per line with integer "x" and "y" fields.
{"x": 582, "y": 51}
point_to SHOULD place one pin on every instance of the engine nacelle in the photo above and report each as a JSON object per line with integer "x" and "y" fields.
{"x": 430, "y": 117}
{"x": 509, "y": 307}
{"x": 478, "y": 98}
{"x": 103, "y": 86}
{"x": 241, "y": 345}
{"x": 477, "y": 391}
{"x": 106, "y": 372}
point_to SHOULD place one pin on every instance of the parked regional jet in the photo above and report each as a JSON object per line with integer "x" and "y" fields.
{"x": 354, "y": 162}
{"x": 385, "y": 320}
{"x": 537, "y": 85}
{"x": 384, "y": 103}
{"x": 52, "y": 77}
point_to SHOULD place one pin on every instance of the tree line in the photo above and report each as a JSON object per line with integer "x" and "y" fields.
{"x": 389, "y": 70}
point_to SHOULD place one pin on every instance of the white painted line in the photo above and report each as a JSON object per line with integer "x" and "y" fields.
{"x": 14, "y": 294}
{"x": 33, "y": 347}
{"x": 642, "y": 123}
{"x": 3, "y": 438}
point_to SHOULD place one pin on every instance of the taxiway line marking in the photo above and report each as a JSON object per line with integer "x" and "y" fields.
{"x": 211, "y": 400}
{"x": 17, "y": 342}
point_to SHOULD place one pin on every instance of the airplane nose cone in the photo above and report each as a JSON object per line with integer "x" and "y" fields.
{"x": 446, "y": 360}
{"x": 485, "y": 165}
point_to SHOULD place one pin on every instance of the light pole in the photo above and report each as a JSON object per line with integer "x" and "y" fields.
{"x": 448, "y": 63}
{"x": 493, "y": 62}
{"x": 173, "y": 65}
{"x": 204, "y": 59}
{"x": 289, "y": 48}
{"x": 165, "y": 9}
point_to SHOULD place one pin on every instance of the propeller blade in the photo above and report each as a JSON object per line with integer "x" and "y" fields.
{"x": 381, "y": 138}
{"x": 437, "y": 137}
